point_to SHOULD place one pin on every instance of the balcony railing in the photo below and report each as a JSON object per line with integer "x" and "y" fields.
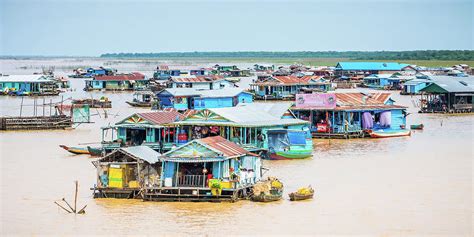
{"x": 192, "y": 181}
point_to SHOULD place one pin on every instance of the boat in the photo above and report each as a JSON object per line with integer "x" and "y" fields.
{"x": 103, "y": 102}
{"x": 287, "y": 144}
{"x": 142, "y": 99}
{"x": 389, "y": 133}
{"x": 417, "y": 126}
{"x": 267, "y": 191}
{"x": 95, "y": 151}
{"x": 302, "y": 194}
{"x": 75, "y": 150}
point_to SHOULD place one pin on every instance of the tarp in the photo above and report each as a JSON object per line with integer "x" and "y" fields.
{"x": 297, "y": 138}
{"x": 386, "y": 119}
{"x": 367, "y": 121}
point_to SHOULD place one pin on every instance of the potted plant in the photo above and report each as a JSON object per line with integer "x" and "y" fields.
{"x": 216, "y": 187}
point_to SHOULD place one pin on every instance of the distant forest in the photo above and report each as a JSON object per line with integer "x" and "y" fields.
{"x": 351, "y": 55}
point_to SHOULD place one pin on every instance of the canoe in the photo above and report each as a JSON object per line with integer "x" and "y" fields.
{"x": 297, "y": 196}
{"x": 75, "y": 150}
{"x": 95, "y": 151}
{"x": 389, "y": 133}
{"x": 274, "y": 195}
{"x": 417, "y": 126}
{"x": 138, "y": 104}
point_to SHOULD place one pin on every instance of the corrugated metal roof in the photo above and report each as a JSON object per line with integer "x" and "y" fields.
{"x": 291, "y": 80}
{"x": 26, "y": 78}
{"x": 142, "y": 152}
{"x": 274, "y": 109}
{"x": 347, "y": 99}
{"x": 224, "y": 146}
{"x": 188, "y": 92}
{"x": 198, "y": 79}
{"x": 452, "y": 84}
{"x": 162, "y": 117}
{"x": 375, "y": 66}
{"x": 134, "y": 76}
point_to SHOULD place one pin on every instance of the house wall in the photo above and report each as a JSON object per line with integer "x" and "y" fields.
{"x": 203, "y": 103}
{"x": 397, "y": 119}
{"x": 248, "y": 98}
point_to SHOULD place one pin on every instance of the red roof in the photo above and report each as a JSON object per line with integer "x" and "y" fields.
{"x": 163, "y": 67}
{"x": 134, "y": 76}
{"x": 208, "y": 78}
{"x": 225, "y": 146}
{"x": 162, "y": 117}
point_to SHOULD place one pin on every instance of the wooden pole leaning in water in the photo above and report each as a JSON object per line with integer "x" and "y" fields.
{"x": 73, "y": 210}
{"x": 62, "y": 207}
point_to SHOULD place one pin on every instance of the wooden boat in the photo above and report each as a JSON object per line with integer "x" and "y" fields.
{"x": 94, "y": 103}
{"x": 139, "y": 104}
{"x": 298, "y": 195}
{"x": 274, "y": 195}
{"x": 417, "y": 126}
{"x": 389, "y": 133}
{"x": 75, "y": 150}
{"x": 95, "y": 151}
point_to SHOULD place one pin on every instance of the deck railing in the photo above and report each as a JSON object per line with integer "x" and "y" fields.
{"x": 192, "y": 181}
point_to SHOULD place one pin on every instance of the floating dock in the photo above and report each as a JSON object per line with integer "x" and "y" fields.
{"x": 36, "y": 122}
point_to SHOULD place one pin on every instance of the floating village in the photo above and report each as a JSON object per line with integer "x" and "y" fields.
{"x": 202, "y": 136}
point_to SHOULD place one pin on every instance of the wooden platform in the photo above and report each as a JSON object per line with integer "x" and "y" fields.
{"x": 358, "y": 134}
{"x": 35, "y": 123}
{"x": 194, "y": 194}
{"x": 125, "y": 193}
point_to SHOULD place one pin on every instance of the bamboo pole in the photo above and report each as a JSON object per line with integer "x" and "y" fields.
{"x": 21, "y": 106}
{"x": 62, "y": 207}
{"x": 64, "y": 200}
{"x": 75, "y": 197}
{"x": 43, "y": 107}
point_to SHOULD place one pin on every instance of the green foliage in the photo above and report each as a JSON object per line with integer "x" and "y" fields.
{"x": 351, "y": 55}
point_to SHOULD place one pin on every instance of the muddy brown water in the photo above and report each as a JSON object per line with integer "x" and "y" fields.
{"x": 418, "y": 185}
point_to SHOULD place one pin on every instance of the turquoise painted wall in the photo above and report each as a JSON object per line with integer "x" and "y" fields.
{"x": 397, "y": 119}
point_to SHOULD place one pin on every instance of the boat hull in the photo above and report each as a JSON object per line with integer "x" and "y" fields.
{"x": 94, "y": 151}
{"x": 75, "y": 150}
{"x": 298, "y": 197}
{"x": 388, "y": 134}
{"x": 417, "y": 126}
{"x": 290, "y": 155}
{"x": 135, "y": 104}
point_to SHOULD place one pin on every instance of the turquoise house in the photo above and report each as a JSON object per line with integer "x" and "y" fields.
{"x": 190, "y": 98}
{"x": 414, "y": 87}
{"x": 28, "y": 84}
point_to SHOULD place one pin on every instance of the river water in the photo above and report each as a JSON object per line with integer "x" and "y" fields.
{"x": 410, "y": 186}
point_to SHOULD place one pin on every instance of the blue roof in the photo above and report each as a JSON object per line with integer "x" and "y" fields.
{"x": 380, "y": 66}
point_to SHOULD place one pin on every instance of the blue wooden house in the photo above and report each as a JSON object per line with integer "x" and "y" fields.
{"x": 28, "y": 85}
{"x": 200, "y": 72}
{"x": 349, "y": 115}
{"x": 206, "y": 169}
{"x": 285, "y": 87}
{"x": 131, "y": 81}
{"x": 367, "y": 68}
{"x": 150, "y": 129}
{"x": 190, "y": 98}
{"x": 209, "y": 82}
{"x": 414, "y": 87}
{"x": 163, "y": 72}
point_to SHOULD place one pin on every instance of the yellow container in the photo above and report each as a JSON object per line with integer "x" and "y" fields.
{"x": 226, "y": 184}
{"x": 115, "y": 177}
{"x": 133, "y": 184}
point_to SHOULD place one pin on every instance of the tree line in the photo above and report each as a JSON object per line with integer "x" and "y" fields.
{"x": 353, "y": 55}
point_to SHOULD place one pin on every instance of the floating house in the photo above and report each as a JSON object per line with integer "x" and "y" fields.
{"x": 28, "y": 85}
{"x": 351, "y": 69}
{"x": 413, "y": 87}
{"x": 208, "y": 169}
{"x": 132, "y": 81}
{"x": 258, "y": 127}
{"x": 348, "y": 115}
{"x": 200, "y": 72}
{"x": 231, "y": 71}
{"x": 163, "y": 72}
{"x": 150, "y": 129}
{"x": 447, "y": 94}
{"x": 263, "y": 68}
{"x": 209, "y": 82}
{"x": 125, "y": 171}
{"x": 285, "y": 87}
{"x": 190, "y": 98}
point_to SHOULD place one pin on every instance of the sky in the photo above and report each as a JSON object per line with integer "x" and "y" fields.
{"x": 90, "y": 28}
